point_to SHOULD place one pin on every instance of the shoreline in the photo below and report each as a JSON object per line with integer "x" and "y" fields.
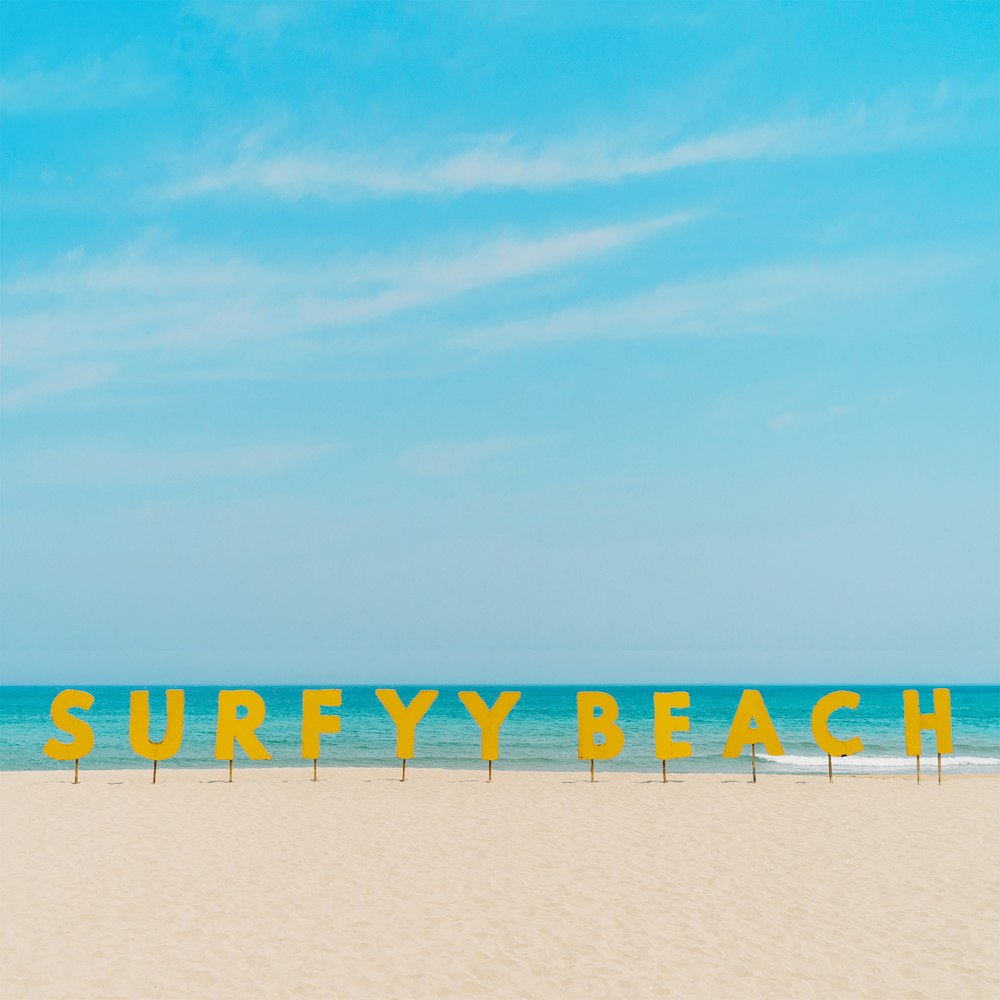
{"x": 140, "y": 775}
{"x": 211, "y": 774}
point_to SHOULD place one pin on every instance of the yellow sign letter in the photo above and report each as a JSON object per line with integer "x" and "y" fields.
{"x": 665, "y": 724}
{"x": 138, "y": 726}
{"x": 590, "y": 725}
{"x": 83, "y": 736}
{"x": 939, "y": 720}
{"x": 824, "y": 708}
{"x": 490, "y": 719}
{"x": 231, "y": 729}
{"x": 405, "y": 717}
{"x": 315, "y": 722}
{"x": 752, "y": 709}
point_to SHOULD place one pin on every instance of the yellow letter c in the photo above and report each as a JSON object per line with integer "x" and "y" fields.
{"x": 825, "y": 707}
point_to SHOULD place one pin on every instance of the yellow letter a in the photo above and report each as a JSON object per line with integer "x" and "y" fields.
{"x": 752, "y": 709}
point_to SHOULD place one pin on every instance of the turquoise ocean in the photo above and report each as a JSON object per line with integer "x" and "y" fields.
{"x": 539, "y": 734}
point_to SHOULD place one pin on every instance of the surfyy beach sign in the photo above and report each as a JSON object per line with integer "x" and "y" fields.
{"x": 241, "y": 713}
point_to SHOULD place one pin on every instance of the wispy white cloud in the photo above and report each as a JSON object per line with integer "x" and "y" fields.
{"x": 146, "y": 313}
{"x": 767, "y": 299}
{"x": 450, "y": 459}
{"x": 96, "y": 82}
{"x": 425, "y": 279}
{"x": 499, "y": 162}
{"x": 96, "y": 465}
{"x": 136, "y": 301}
{"x": 818, "y": 416}
{"x": 824, "y": 415}
{"x": 57, "y": 383}
{"x": 249, "y": 17}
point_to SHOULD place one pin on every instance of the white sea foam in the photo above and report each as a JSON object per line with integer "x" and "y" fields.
{"x": 862, "y": 762}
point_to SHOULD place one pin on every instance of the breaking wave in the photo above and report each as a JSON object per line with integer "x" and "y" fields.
{"x": 862, "y": 762}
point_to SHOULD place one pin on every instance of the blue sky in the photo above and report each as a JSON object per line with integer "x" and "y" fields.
{"x": 538, "y": 342}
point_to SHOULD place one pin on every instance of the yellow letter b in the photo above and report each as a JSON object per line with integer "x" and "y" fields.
{"x": 591, "y": 725}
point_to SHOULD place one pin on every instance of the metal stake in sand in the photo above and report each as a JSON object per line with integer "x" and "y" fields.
{"x": 829, "y": 767}
{"x": 315, "y": 766}
{"x": 404, "y": 769}
{"x": 76, "y": 772}
{"x": 490, "y": 778}
{"x": 939, "y": 767}
{"x": 918, "y": 769}
{"x": 753, "y": 761}
{"x": 591, "y": 772}
{"x": 664, "y": 770}
{"x": 230, "y": 769}
{"x": 154, "y": 772}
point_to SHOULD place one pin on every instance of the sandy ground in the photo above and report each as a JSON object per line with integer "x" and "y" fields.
{"x": 537, "y": 885}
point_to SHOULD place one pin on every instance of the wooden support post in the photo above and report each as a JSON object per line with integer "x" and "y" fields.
{"x": 154, "y": 772}
{"x": 490, "y": 778}
{"x": 664, "y": 770}
{"x": 918, "y": 769}
{"x": 230, "y": 769}
{"x": 591, "y": 772}
{"x": 76, "y": 772}
{"x": 315, "y": 765}
{"x": 404, "y": 769}
{"x": 753, "y": 761}
{"x": 939, "y": 767}
{"x": 829, "y": 767}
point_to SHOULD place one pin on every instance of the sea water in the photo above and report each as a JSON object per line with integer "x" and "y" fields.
{"x": 539, "y": 734}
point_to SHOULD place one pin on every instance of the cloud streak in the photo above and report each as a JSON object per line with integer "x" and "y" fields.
{"x": 451, "y": 459}
{"x": 133, "y": 302}
{"x": 94, "y": 465}
{"x": 499, "y": 162}
{"x": 95, "y": 82}
{"x": 60, "y": 382}
{"x": 793, "y": 418}
{"x": 761, "y": 300}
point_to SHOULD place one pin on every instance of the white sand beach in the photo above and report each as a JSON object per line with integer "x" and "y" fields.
{"x": 537, "y": 885}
